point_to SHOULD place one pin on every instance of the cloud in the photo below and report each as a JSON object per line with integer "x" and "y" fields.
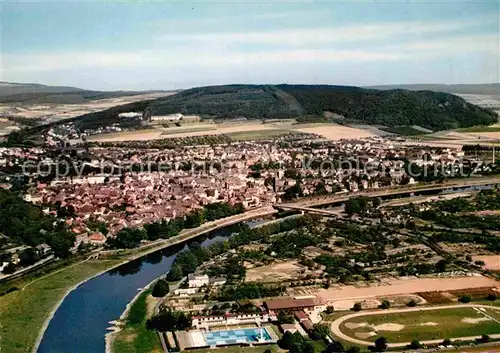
{"x": 351, "y": 33}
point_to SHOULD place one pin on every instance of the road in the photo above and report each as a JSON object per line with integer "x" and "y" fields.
{"x": 322, "y": 200}
{"x": 335, "y": 326}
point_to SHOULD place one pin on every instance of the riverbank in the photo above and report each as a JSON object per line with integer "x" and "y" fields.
{"x": 119, "y": 324}
{"x": 25, "y": 314}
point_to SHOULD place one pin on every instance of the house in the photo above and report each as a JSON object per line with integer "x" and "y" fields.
{"x": 197, "y": 281}
{"x": 307, "y": 325}
{"x": 43, "y": 249}
{"x": 288, "y": 328}
{"x": 292, "y": 304}
{"x": 97, "y": 238}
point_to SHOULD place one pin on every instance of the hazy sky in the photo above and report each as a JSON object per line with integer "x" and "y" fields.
{"x": 179, "y": 45}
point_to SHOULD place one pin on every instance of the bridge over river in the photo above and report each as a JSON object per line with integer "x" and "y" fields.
{"x": 309, "y": 204}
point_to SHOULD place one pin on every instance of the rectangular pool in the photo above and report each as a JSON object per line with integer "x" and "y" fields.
{"x": 244, "y": 335}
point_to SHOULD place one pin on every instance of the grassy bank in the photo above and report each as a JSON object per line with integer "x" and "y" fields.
{"x": 134, "y": 336}
{"x": 24, "y": 312}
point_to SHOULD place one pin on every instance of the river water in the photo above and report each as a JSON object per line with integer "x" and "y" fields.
{"x": 79, "y": 324}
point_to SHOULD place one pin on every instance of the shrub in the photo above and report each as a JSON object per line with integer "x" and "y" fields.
{"x": 329, "y": 309}
{"x": 484, "y": 339}
{"x": 492, "y": 297}
{"x": 385, "y": 304}
{"x": 381, "y": 344}
{"x": 412, "y": 303}
{"x": 160, "y": 289}
{"x": 465, "y": 298}
{"x": 415, "y": 344}
{"x": 357, "y": 307}
{"x": 446, "y": 342}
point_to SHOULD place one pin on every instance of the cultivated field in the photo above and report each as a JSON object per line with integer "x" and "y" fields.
{"x": 239, "y": 131}
{"x": 492, "y": 261}
{"x": 57, "y": 112}
{"x": 406, "y": 286}
{"x": 274, "y": 273}
{"x": 436, "y": 324}
{"x": 335, "y": 132}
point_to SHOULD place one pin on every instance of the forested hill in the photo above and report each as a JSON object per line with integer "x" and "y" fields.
{"x": 433, "y": 110}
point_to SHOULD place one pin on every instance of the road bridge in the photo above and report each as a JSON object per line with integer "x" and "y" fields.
{"x": 308, "y": 203}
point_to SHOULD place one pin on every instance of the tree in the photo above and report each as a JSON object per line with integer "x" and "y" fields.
{"x": 466, "y": 298}
{"x": 268, "y": 351}
{"x": 175, "y": 273}
{"x": 412, "y": 303}
{"x": 485, "y": 338}
{"x": 381, "y": 344}
{"x": 385, "y": 304}
{"x": 492, "y": 297}
{"x": 479, "y": 263}
{"x": 357, "y": 307}
{"x": 446, "y": 342}
{"x": 415, "y": 344}
{"x": 9, "y": 268}
{"x": 441, "y": 265}
{"x": 353, "y": 350}
{"x": 28, "y": 257}
{"x": 160, "y": 289}
{"x": 329, "y": 309}
{"x": 335, "y": 346}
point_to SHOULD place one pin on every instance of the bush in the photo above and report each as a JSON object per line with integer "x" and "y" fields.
{"x": 381, "y": 344}
{"x": 329, "y": 309}
{"x": 446, "y": 342}
{"x": 415, "y": 344}
{"x": 412, "y": 303}
{"x": 465, "y": 298}
{"x": 385, "y": 304}
{"x": 484, "y": 339}
{"x": 160, "y": 289}
{"x": 357, "y": 307}
{"x": 492, "y": 297}
{"x": 353, "y": 350}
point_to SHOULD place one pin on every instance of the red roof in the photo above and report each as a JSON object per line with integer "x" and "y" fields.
{"x": 282, "y": 304}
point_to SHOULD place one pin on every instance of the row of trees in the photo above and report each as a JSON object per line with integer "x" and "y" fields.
{"x": 24, "y": 223}
{"x": 129, "y": 238}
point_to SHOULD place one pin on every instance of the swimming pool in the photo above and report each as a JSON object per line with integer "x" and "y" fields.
{"x": 244, "y": 335}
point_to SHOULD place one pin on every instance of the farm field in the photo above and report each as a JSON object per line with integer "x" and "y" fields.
{"x": 238, "y": 131}
{"x": 335, "y": 132}
{"x": 405, "y": 286}
{"x": 421, "y": 325}
{"x": 258, "y": 134}
{"x": 492, "y": 261}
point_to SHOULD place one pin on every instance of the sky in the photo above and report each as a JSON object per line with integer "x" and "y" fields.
{"x": 176, "y": 45}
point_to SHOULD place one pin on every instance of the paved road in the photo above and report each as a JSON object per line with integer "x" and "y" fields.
{"x": 321, "y": 200}
{"x": 335, "y": 326}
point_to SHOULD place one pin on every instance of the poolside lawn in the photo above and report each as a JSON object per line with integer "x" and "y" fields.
{"x": 421, "y": 325}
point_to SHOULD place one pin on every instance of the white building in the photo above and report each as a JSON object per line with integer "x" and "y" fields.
{"x": 170, "y": 117}
{"x": 195, "y": 281}
{"x": 130, "y": 115}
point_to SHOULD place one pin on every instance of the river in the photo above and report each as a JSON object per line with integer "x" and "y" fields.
{"x": 79, "y": 324}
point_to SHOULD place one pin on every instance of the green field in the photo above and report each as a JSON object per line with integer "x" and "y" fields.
{"x": 404, "y": 130}
{"x": 23, "y": 312}
{"x": 422, "y": 325}
{"x": 493, "y": 128}
{"x": 135, "y": 337}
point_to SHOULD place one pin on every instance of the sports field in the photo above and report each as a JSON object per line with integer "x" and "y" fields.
{"x": 422, "y": 325}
